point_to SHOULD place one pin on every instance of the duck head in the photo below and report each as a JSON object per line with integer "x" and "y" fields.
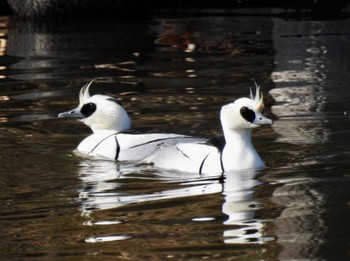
{"x": 244, "y": 113}
{"x": 99, "y": 112}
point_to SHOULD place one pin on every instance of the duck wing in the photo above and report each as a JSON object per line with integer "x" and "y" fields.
{"x": 198, "y": 157}
{"x": 137, "y": 147}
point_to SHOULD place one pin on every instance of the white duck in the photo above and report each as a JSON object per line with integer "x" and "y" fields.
{"x": 236, "y": 151}
{"x": 110, "y": 139}
{"x": 110, "y": 124}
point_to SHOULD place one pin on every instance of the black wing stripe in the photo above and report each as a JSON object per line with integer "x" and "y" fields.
{"x": 98, "y": 144}
{"x": 156, "y": 140}
{"x": 183, "y": 153}
{"x": 118, "y": 148}
{"x": 202, "y": 164}
{"x": 221, "y": 163}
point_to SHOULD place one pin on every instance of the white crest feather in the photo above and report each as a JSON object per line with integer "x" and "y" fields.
{"x": 84, "y": 92}
{"x": 257, "y": 99}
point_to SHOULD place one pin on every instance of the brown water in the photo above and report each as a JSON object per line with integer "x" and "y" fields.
{"x": 173, "y": 75}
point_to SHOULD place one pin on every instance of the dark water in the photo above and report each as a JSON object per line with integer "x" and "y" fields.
{"x": 173, "y": 75}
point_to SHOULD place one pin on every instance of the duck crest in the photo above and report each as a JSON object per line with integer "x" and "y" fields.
{"x": 257, "y": 99}
{"x": 84, "y": 93}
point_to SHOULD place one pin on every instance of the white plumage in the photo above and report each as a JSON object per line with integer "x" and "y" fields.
{"x": 110, "y": 139}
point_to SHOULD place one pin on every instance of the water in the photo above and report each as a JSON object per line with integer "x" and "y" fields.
{"x": 173, "y": 75}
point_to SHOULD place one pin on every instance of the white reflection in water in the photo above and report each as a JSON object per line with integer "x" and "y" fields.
{"x": 102, "y": 179}
{"x": 107, "y": 238}
{"x": 105, "y": 186}
{"x": 240, "y": 207}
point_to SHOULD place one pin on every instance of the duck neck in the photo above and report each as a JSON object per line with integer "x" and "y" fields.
{"x": 110, "y": 128}
{"x": 238, "y": 137}
{"x": 239, "y": 152}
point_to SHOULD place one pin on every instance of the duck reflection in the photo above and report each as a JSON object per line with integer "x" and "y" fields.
{"x": 97, "y": 177}
{"x": 109, "y": 185}
{"x": 102, "y": 179}
{"x": 240, "y": 206}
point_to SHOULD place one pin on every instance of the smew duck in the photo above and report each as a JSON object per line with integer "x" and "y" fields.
{"x": 235, "y": 152}
{"x": 112, "y": 138}
{"x": 110, "y": 124}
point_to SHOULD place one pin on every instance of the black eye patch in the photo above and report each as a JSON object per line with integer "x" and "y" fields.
{"x": 88, "y": 109}
{"x": 247, "y": 114}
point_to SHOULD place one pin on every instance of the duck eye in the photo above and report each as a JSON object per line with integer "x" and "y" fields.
{"x": 248, "y": 114}
{"x": 88, "y": 109}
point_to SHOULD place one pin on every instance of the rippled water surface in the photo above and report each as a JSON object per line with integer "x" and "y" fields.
{"x": 173, "y": 75}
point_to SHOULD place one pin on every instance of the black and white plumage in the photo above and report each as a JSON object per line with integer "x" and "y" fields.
{"x": 110, "y": 139}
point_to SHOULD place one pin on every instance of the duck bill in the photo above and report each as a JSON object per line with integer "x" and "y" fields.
{"x": 261, "y": 120}
{"x": 75, "y": 113}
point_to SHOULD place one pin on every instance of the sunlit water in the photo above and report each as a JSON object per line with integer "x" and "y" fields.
{"x": 173, "y": 75}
